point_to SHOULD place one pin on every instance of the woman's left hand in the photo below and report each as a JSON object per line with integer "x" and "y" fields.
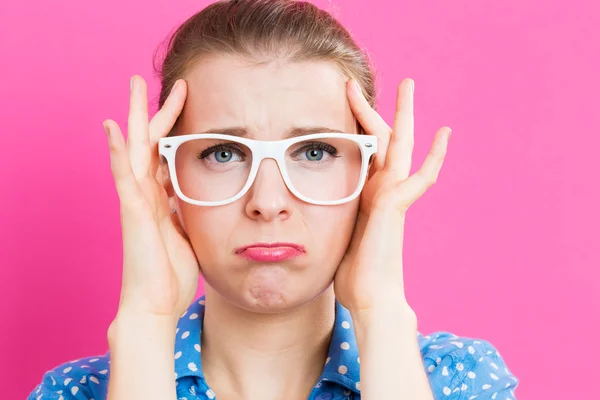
{"x": 370, "y": 276}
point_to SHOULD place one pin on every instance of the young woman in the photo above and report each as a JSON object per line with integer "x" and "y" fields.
{"x": 268, "y": 171}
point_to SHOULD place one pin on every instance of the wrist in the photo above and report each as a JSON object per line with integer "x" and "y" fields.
{"x": 390, "y": 355}
{"x": 397, "y": 317}
{"x": 133, "y": 324}
{"x": 141, "y": 355}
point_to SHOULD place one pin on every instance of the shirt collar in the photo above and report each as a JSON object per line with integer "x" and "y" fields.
{"x": 343, "y": 362}
{"x": 342, "y": 365}
{"x": 187, "y": 342}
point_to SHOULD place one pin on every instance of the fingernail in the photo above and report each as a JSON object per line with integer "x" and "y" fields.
{"x": 105, "y": 129}
{"x": 357, "y": 86}
{"x": 131, "y": 82}
{"x": 175, "y": 86}
{"x": 413, "y": 85}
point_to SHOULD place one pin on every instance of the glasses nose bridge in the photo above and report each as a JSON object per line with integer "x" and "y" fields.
{"x": 270, "y": 150}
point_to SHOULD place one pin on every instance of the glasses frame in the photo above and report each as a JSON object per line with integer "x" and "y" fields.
{"x": 263, "y": 149}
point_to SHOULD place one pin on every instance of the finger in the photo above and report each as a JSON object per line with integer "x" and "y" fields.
{"x": 166, "y": 201}
{"x": 399, "y": 156}
{"x": 163, "y": 121}
{"x": 417, "y": 184}
{"x": 138, "y": 143}
{"x": 125, "y": 181}
{"x": 370, "y": 120}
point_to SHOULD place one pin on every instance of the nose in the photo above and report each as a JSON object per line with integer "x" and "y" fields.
{"x": 269, "y": 198}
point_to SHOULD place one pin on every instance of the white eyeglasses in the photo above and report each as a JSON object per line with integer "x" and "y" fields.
{"x": 215, "y": 169}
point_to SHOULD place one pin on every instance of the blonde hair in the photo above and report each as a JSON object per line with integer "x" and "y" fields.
{"x": 260, "y": 31}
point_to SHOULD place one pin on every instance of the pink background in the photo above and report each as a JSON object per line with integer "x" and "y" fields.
{"x": 504, "y": 247}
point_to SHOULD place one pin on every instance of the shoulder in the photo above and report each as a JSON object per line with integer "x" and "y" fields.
{"x": 82, "y": 379}
{"x": 465, "y": 368}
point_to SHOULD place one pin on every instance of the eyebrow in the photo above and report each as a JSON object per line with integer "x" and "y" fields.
{"x": 291, "y": 132}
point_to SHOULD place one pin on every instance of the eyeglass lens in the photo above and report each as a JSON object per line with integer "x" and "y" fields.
{"x": 216, "y": 170}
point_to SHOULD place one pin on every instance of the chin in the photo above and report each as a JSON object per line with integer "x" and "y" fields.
{"x": 262, "y": 301}
{"x": 271, "y": 290}
{"x": 258, "y": 300}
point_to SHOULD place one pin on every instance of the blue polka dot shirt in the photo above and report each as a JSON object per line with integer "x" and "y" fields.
{"x": 458, "y": 368}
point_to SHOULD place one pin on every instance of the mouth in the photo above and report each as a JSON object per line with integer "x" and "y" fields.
{"x": 270, "y": 252}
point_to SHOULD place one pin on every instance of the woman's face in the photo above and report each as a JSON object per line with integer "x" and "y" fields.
{"x": 266, "y": 101}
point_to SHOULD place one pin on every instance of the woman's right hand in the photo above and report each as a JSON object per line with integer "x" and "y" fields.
{"x": 160, "y": 269}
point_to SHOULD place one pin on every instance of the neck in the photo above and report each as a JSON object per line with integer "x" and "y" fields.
{"x": 265, "y": 356}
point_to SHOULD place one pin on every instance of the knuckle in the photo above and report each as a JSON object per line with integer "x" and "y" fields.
{"x": 406, "y": 140}
{"x": 360, "y": 114}
{"x": 114, "y": 147}
{"x": 425, "y": 178}
{"x": 390, "y": 198}
{"x": 430, "y": 179}
{"x": 133, "y": 206}
{"x": 439, "y": 153}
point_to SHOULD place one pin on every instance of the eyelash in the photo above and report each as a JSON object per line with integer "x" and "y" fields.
{"x": 308, "y": 146}
{"x": 221, "y": 147}
{"x": 317, "y": 146}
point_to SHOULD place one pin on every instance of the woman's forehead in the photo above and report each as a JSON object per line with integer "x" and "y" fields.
{"x": 269, "y": 98}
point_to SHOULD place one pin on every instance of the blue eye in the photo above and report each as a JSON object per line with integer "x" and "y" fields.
{"x": 315, "y": 151}
{"x": 314, "y": 154}
{"x": 223, "y": 155}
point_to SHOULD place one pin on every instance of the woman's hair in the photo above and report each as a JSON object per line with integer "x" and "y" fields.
{"x": 260, "y": 31}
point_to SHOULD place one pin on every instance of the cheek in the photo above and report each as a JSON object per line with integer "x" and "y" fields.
{"x": 332, "y": 226}
{"x": 210, "y": 229}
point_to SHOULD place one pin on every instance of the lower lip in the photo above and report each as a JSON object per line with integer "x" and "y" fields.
{"x": 270, "y": 254}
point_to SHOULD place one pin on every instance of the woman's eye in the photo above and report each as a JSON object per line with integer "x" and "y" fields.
{"x": 314, "y": 154}
{"x": 223, "y": 156}
{"x": 317, "y": 151}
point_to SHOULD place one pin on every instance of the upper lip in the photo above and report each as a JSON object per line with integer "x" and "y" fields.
{"x": 275, "y": 244}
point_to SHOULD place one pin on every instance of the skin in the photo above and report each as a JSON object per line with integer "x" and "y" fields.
{"x": 262, "y": 320}
{"x": 267, "y": 100}
{"x": 267, "y": 324}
